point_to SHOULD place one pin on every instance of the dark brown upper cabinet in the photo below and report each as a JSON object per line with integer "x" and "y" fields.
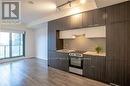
{"x": 69, "y": 22}
{"x": 94, "y": 18}
{"x": 59, "y": 42}
{"x": 100, "y": 17}
{"x": 88, "y": 19}
{"x": 117, "y": 13}
{"x": 75, "y": 21}
{"x": 128, "y": 12}
{"x": 54, "y": 43}
{"x": 63, "y": 23}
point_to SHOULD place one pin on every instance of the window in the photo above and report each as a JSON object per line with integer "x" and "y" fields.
{"x": 4, "y": 45}
{"x": 11, "y": 44}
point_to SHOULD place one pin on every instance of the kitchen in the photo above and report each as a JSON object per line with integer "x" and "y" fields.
{"x": 79, "y": 47}
{"x": 81, "y": 42}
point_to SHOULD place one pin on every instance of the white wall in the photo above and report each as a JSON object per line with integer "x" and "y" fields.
{"x": 35, "y": 41}
{"x": 29, "y": 40}
{"x": 30, "y": 44}
{"x": 41, "y": 41}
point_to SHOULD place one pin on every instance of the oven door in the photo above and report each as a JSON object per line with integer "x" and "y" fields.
{"x": 76, "y": 62}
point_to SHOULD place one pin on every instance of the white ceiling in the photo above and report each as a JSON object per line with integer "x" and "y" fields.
{"x": 104, "y": 3}
{"x": 42, "y": 9}
{"x": 32, "y": 12}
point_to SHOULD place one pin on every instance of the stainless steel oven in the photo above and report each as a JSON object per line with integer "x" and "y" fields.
{"x": 76, "y": 63}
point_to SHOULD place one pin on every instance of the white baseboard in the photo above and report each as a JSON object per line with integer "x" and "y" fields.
{"x": 13, "y": 59}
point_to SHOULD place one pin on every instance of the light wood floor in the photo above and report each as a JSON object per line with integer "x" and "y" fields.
{"x": 35, "y": 72}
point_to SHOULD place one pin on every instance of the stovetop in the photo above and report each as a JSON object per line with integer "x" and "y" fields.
{"x": 77, "y": 53}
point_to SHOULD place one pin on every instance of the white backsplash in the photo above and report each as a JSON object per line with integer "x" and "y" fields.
{"x": 82, "y": 43}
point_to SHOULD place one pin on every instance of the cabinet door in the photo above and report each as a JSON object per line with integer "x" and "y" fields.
{"x": 100, "y": 68}
{"x": 63, "y": 23}
{"x": 54, "y": 43}
{"x": 51, "y": 36}
{"x": 52, "y": 61}
{"x": 96, "y": 32}
{"x": 63, "y": 61}
{"x": 99, "y": 17}
{"x": 116, "y": 60}
{"x": 88, "y": 70}
{"x": 117, "y": 13}
{"x": 88, "y": 19}
{"x": 94, "y": 67}
{"x": 76, "y": 21}
{"x": 128, "y": 58}
{"x": 128, "y": 12}
{"x": 59, "y": 42}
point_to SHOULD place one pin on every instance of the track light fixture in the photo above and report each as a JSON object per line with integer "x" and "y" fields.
{"x": 69, "y": 2}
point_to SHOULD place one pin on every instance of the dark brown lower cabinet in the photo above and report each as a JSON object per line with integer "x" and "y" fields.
{"x": 117, "y": 53}
{"x": 128, "y": 75}
{"x": 58, "y": 60}
{"x": 52, "y": 58}
{"x": 94, "y": 67}
{"x": 63, "y": 61}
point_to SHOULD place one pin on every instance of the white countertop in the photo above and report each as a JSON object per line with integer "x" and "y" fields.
{"x": 86, "y": 53}
{"x": 95, "y": 53}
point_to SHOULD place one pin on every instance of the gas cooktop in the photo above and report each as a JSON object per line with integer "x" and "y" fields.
{"x": 77, "y": 53}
